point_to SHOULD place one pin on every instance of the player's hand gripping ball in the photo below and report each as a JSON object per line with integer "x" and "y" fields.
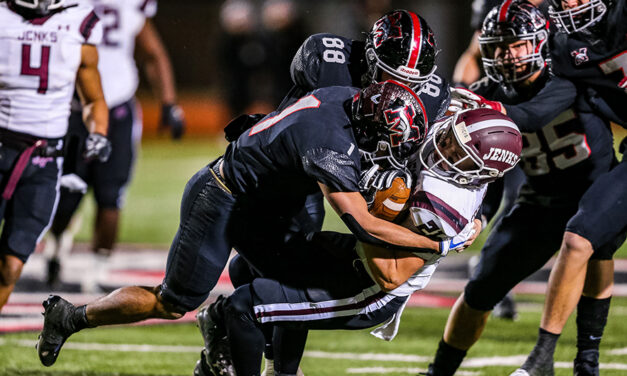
{"x": 391, "y": 198}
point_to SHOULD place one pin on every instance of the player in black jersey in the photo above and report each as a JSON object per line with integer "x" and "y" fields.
{"x": 246, "y": 200}
{"x": 565, "y": 149}
{"x": 591, "y": 50}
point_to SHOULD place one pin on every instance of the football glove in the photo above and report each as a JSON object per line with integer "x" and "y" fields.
{"x": 97, "y": 146}
{"x": 457, "y": 242}
{"x": 374, "y": 179}
{"x": 73, "y": 183}
{"x": 462, "y": 99}
{"x": 172, "y": 117}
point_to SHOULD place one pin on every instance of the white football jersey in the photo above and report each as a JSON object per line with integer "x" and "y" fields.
{"x": 122, "y": 20}
{"x": 439, "y": 210}
{"x": 38, "y": 64}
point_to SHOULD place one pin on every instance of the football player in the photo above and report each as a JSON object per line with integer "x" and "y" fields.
{"x": 359, "y": 286}
{"x": 561, "y": 159}
{"x": 247, "y": 200}
{"x": 47, "y": 47}
{"x": 127, "y": 30}
{"x": 590, "y": 48}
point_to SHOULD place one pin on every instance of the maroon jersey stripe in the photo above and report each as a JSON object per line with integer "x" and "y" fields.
{"x": 436, "y": 205}
{"x": 88, "y": 24}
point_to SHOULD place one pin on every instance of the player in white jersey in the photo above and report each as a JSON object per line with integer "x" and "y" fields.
{"x": 46, "y": 47}
{"x": 460, "y": 156}
{"x": 127, "y": 29}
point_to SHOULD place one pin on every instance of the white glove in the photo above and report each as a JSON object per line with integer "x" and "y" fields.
{"x": 456, "y": 243}
{"x": 97, "y": 146}
{"x": 73, "y": 183}
{"x": 462, "y": 99}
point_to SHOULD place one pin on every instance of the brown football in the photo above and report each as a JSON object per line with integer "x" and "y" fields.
{"x": 388, "y": 203}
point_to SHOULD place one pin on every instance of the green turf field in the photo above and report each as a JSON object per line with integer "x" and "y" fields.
{"x": 152, "y": 210}
{"x": 327, "y": 353}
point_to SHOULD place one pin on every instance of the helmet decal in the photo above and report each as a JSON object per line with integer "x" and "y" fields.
{"x": 386, "y": 28}
{"x": 401, "y": 122}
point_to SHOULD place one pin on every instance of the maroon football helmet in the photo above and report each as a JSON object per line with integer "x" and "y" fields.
{"x": 389, "y": 122}
{"x": 485, "y": 144}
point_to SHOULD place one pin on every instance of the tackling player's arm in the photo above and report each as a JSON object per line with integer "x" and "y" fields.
{"x": 353, "y": 210}
{"x": 390, "y": 268}
{"x": 95, "y": 111}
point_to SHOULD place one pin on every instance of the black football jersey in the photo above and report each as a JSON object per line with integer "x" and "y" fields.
{"x": 329, "y": 60}
{"x": 597, "y": 64}
{"x": 282, "y": 158}
{"x": 565, "y": 145}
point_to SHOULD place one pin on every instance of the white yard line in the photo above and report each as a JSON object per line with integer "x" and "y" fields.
{"x": 493, "y": 361}
{"x": 382, "y": 370}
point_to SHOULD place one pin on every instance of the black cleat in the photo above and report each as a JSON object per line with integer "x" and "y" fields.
{"x": 533, "y": 366}
{"x": 586, "y": 363}
{"x": 215, "y": 359}
{"x": 57, "y": 328}
{"x": 506, "y": 308}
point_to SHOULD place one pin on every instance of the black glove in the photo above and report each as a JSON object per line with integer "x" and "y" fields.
{"x": 374, "y": 179}
{"x": 172, "y": 117}
{"x": 97, "y": 146}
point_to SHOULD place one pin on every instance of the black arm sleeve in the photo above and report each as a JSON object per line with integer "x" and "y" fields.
{"x": 557, "y": 96}
{"x": 365, "y": 237}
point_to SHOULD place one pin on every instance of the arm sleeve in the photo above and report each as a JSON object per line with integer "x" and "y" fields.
{"x": 557, "y": 96}
{"x": 336, "y": 170}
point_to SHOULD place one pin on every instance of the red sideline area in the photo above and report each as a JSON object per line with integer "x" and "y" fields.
{"x": 23, "y": 311}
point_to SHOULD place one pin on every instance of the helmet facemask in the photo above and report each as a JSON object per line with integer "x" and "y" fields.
{"x": 578, "y": 18}
{"x": 39, "y": 7}
{"x": 508, "y": 69}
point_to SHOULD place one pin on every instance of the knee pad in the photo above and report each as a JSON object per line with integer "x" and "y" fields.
{"x": 240, "y": 272}
{"x": 240, "y": 304}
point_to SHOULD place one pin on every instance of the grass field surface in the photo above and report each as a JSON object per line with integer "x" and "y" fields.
{"x": 173, "y": 349}
{"x": 151, "y": 213}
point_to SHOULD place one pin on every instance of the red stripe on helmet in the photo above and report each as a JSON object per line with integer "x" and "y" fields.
{"x": 503, "y": 10}
{"x": 416, "y": 44}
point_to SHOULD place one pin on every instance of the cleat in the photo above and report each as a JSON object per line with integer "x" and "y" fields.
{"x": 533, "y": 366}
{"x": 57, "y": 328}
{"x": 202, "y": 367}
{"x": 586, "y": 363}
{"x": 506, "y": 308}
{"x": 215, "y": 359}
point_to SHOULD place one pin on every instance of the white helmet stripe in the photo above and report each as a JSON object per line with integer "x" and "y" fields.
{"x": 491, "y": 123}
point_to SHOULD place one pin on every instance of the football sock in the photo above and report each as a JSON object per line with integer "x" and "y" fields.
{"x": 289, "y": 346}
{"x": 447, "y": 360}
{"x": 542, "y": 354}
{"x": 78, "y": 319}
{"x": 591, "y": 319}
{"x": 246, "y": 339}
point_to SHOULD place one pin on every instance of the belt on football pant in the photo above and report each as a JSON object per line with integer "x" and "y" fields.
{"x": 28, "y": 146}
{"x": 216, "y": 171}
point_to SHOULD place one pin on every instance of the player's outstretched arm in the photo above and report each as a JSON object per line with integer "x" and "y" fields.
{"x": 95, "y": 111}
{"x": 154, "y": 59}
{"x": 352, "y": 208}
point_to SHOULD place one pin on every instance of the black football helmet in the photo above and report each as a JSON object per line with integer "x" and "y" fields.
{"x": 510, "y": 22}
{"x": 389, "y": 122}
{"x": 402, "y": 44}
{"x": 580, "y": 17}
{"x": 38, "y": 7}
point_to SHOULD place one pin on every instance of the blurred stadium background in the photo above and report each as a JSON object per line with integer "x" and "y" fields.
{"x": 226, "y": 63}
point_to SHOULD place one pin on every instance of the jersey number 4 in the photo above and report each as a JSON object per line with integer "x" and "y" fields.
{"x": 40, "y": 71}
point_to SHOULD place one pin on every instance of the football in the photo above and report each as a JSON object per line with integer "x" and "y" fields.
{"x": 388, "y": 203}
